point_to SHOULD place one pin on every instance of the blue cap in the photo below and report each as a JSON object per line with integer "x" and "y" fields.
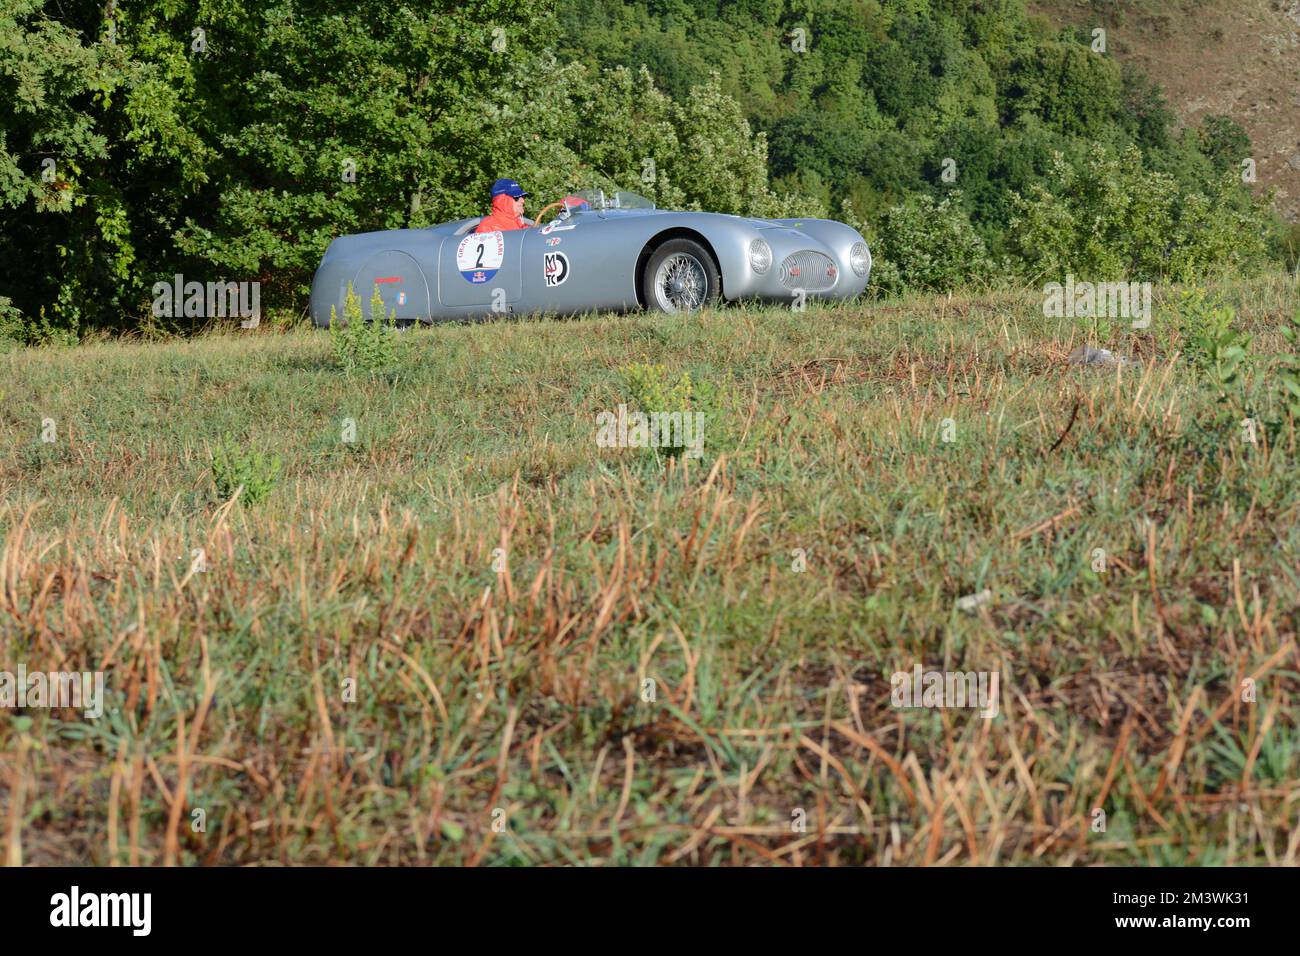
{"x": 507, "y": 187}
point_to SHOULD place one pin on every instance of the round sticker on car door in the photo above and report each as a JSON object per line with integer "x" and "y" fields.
{"x": 479, "y": 256}
{"x": 555, "y": 266}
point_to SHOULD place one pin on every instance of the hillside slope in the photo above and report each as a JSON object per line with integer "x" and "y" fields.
{"x": 1237, "y": 57}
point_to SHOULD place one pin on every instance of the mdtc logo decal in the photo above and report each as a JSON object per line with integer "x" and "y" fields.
{"x": 555, "y": 266}
{"x": 479, "y": 256}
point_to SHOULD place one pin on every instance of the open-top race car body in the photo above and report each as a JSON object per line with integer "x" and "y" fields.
{"x": 601, "y": 252}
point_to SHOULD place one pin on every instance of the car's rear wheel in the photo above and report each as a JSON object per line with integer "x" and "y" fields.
{"x": 681, "y": 277}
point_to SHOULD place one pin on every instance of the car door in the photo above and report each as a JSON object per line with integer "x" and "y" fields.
{"x": 481, "y": 268}
{"x": 580, "y": 263}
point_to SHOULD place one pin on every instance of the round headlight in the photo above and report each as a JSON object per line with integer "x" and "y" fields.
{"x": 760, "y": 255}
{"x": 860, "y": 258}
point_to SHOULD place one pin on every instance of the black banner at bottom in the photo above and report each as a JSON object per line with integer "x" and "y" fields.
{"x": 338, "y": 906}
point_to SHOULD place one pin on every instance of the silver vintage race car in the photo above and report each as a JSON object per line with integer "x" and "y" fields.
{"x": 600, "y": 252}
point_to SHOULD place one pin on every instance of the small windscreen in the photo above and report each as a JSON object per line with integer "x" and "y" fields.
{"x": 599, "y": 199}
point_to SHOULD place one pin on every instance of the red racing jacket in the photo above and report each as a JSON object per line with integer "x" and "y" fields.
{"x": 502, "y": 218}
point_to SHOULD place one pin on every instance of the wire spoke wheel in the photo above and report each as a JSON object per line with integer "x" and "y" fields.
{"x": 679, "y": 277}
{"x": 680, "y": 283}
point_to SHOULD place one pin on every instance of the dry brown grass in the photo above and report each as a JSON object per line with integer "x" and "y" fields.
{"x": 520, "y": 691}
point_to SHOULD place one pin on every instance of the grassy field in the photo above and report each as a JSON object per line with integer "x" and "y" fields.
{"x": 432, "y": 644}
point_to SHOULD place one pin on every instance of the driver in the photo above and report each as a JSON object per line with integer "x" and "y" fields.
{"x": 507, "y": 208}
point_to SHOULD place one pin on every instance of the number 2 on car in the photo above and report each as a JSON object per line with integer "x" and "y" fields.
{"x": 479, "y": 256}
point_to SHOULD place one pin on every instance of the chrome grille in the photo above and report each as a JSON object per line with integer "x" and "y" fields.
{"x": 808, "y": 270}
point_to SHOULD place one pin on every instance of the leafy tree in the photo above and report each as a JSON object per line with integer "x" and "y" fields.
{"x": 1115, "y": 219}
{"x": 1145, "y": 114}
{"x": 235, "y": 141}
{"x": 1224, "y": 141}
{"x": 65, "y": 232}
{"x": 927, "y": 245}
{"x": 1067, "y": 86}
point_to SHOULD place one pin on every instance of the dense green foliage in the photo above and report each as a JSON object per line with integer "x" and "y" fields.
{"x": 240, "y": 151}
{"x": 928, "y": 244}
{"x": 1114, "y": 216}
{"x": 871, "y": 105}
{"x": 233, "y": 140}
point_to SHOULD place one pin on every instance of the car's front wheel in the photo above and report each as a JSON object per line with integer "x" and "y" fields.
{"x": 681, "y": 277}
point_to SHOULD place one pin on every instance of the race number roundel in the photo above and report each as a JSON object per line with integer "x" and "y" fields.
{"x": 479, "y": 256}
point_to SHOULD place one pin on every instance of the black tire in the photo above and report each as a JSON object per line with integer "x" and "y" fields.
{"x": 691, "y": 282}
